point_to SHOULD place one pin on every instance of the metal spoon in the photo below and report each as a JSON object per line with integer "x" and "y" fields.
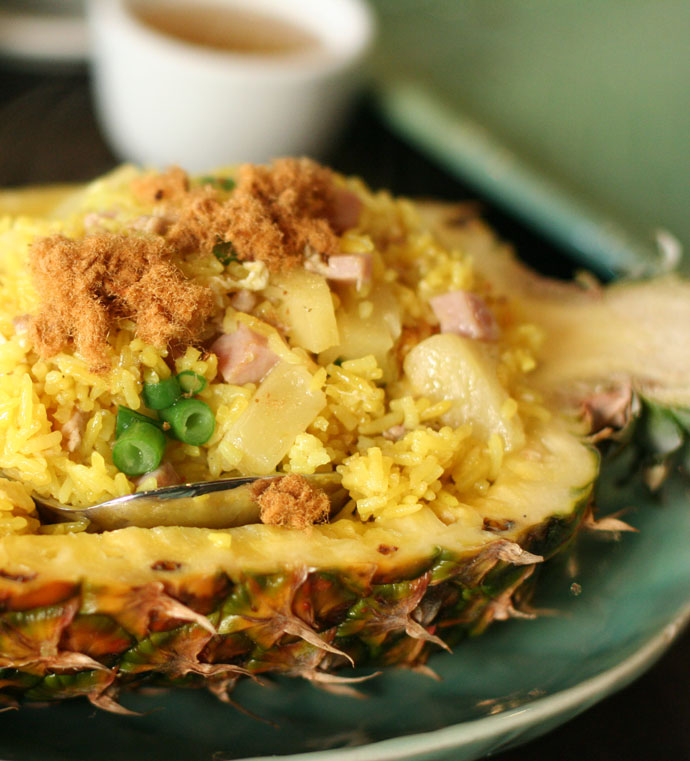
{"x": 209, "y": 504}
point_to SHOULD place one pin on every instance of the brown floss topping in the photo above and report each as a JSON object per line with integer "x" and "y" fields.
{"x": 275, "y": 214}
{"x": 168, "y": 186}
{"x": 88, "y": 284}
{"x": 292, "y": 502}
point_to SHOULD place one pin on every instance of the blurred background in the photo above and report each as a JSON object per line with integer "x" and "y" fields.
{"x": 574, "y": 116}
{"x": 566, "y": 120}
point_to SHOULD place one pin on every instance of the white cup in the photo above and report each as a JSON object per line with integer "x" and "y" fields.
{"x": 165, "y": 101}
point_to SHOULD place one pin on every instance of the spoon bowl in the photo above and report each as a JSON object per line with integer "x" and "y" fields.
{"x": 224, "y": 503}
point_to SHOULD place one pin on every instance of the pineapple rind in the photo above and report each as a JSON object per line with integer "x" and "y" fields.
{"x": 86, "y": 614}
{"x": 368, "y": 620}
{"x": 654, "y": 443}
{"x": 661, "y": 432}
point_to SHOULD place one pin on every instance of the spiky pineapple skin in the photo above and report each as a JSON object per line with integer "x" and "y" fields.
{"x": 66, "y": 640}
{"x": 654, "y": 443}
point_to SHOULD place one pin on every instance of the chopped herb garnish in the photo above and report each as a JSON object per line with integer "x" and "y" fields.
{"x": 125, "y": 418}
{"x": 191, "y": 383}
{"x": 139, "y": 449}
{"x": 224, "y": 183}
{"x": 225, "y": 253}
{"x": 158, "y": 396}
{"x": 140, "y": 440}
{"x": 191, "y": 421}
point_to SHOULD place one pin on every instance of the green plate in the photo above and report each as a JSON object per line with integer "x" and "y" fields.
{"x": 520, "y": 679}
{"x": 573, "y": 115}
{"x": 445, "y": 68}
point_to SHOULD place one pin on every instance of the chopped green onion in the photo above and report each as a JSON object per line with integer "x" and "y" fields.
{"x": 139, "y": 449}
{"x": 225, "y": 253}
{"x": 158, "y": 396}
{"x": 224, "y": 183}
{"x": 125, "y": 418}
{"x": 191, "y": 421}
{"x": 191, "y": 383}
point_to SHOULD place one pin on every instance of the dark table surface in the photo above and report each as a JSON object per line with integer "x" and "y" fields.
{"x": 48, "y": 134}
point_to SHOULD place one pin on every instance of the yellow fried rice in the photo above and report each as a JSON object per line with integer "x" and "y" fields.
{"x": 430, "y": 462}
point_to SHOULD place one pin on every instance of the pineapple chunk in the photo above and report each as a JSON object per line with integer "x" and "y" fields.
{"x": 282, "y": 407}
{"x": 364, "y": 332}
{"x": 306, "y": 309}
{"x": 448, "y": 367}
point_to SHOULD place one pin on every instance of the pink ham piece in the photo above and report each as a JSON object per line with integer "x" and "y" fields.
{"x": 73, "y": 430}
{"x": 346, "y": 210}
{"x": 349, "y": 268}
{"x": 243, "y": 300}
{"x": 346, "y": 268}
{"x": 243, "y": 356}
{"x": 395, "y": 433}
{"x": 153, "y": 223}
{"x": 465, "y": 314}
{"x": 165, "y": 475}
{"x": 94, "y": 219}
{"x": 21, "y": 324}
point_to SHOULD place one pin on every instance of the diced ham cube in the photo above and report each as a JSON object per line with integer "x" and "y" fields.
{"x": 165, "y": 475}
{"x": 243, "y": 356}
{"x": 155, "y": 224}
{"x": 395, "y": 433}
{"x": 346, "y": 210}
{"x": 73, "y": 430}
{"x": 349, "y": 268}
{"x": 466, "y": 314}
{"x": 346, "y": 268}
{"x": 94, "y": 219}
{"x": 21, "y": 323}
{"x": 244, "y": 300}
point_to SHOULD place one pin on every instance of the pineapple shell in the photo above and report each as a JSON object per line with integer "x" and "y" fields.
{"x": 84, "y": 614}
{"x": 87, "y": 614}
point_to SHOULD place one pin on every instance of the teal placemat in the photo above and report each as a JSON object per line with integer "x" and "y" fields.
{"x": 574, "y": 115}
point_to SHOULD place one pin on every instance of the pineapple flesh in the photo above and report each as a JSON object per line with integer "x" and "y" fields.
{"x": 618, "y": 353}
{"x": 87, "y": 614}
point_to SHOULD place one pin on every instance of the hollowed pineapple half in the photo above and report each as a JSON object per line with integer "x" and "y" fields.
{"x": 87, "y": 613}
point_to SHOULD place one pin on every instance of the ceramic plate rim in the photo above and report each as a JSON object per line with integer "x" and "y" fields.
{"x": 580, "y": 696}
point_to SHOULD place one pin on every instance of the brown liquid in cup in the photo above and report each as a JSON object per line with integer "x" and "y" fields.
{"x": 232, "y": 30}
